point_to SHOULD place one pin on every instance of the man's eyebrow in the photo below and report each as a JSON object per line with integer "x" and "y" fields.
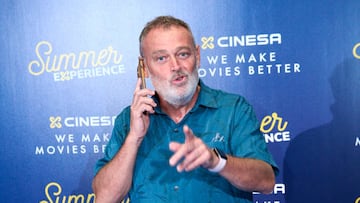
{"x": 162, "y": 51}
{"x": 183, "y": 47}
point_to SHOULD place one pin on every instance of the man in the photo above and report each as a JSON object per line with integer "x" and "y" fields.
{"x": 183, "y": 142}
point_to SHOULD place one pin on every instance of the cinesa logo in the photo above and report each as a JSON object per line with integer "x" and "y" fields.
{"x": 242, "y": 40}
{"x": 274, "y": 128}
{"x": 79, "y": 121}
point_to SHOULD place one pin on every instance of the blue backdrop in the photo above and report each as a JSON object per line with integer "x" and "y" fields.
{"x": 68, "y": 68}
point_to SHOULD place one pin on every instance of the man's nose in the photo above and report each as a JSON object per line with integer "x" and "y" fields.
{"x": 174, "y": 64}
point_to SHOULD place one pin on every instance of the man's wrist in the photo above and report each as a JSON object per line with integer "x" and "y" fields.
{"x": 133, "y": 139}
{"x": 221, "y": 163}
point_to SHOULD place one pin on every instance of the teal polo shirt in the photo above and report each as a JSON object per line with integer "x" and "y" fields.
{"x": 221, "y": 120}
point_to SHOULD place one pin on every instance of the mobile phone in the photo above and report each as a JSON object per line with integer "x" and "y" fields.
{"x": 141, "y": 72}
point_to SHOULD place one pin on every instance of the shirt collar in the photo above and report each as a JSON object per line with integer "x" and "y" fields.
{"x": 207, "y": 97}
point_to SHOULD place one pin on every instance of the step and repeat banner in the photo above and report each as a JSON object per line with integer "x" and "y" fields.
{"x": 69, "y": 67}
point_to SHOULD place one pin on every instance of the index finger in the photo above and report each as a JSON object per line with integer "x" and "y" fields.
{"x": 138, "y": 84}
{"x": 181, "y": 150}
{"x": 145, "y": 91}
{"x": 189, "y": 135}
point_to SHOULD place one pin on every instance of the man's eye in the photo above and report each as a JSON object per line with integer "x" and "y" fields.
{"x": 184, "y": 54}
{"x": 160, "y": 58}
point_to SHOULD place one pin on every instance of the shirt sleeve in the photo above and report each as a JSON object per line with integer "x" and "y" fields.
{"x": 247, "y": 140}
{"x": 119, "y": 133}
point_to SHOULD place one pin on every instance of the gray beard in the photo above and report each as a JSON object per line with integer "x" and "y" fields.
{"x": 181, "y": 100}
{"x": 172, "y": 97}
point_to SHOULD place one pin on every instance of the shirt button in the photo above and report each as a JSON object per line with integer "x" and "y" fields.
{"x": 176, "y": 188}
{"x": 176, "y": 130}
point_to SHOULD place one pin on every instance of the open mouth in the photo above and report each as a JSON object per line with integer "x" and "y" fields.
{"x": 179, "y": 79}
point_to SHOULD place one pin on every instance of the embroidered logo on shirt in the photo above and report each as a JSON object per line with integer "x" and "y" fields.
{"x": 218, "y": 138}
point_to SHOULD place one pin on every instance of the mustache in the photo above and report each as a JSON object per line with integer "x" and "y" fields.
{"x": 179, "y": 74}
